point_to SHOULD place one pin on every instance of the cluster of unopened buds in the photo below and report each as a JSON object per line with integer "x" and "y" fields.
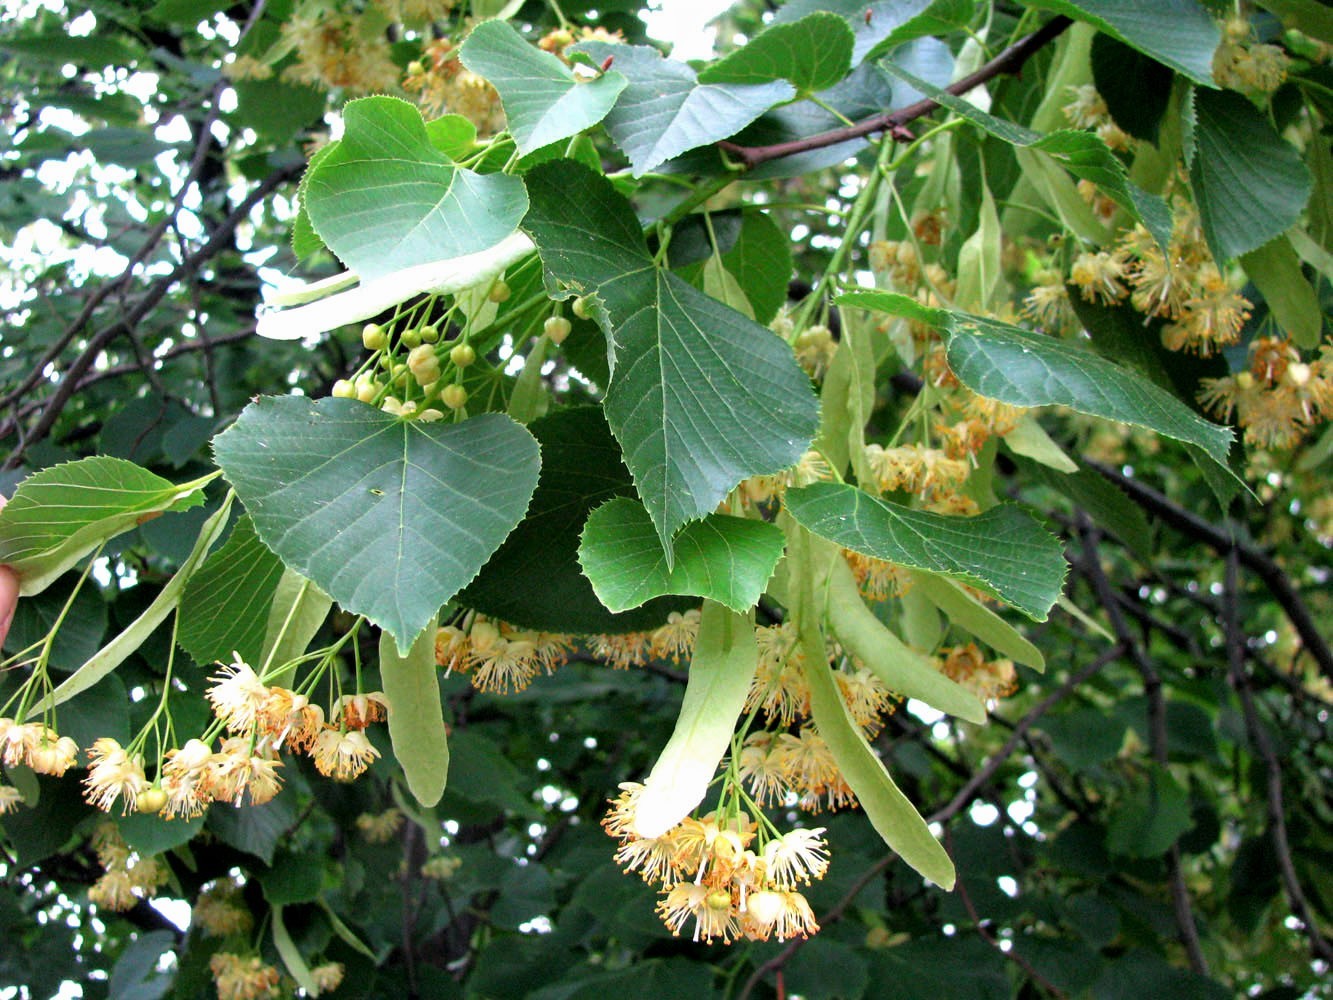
{"x": 260, "y": 720}
{"x": 710, "y": 872}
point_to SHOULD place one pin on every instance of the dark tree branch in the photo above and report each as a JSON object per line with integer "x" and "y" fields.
{"x": 895, "y": 123}
{"x": 1252, "y": 558}
{"x": 997, "y": 760}
{"x": 203, "y": 146}
{"x": 1012, "y": 954}
{"x": 1157, "y": 734}
{"x": 73, "y": 376}
{"x": 1321, "y": 946}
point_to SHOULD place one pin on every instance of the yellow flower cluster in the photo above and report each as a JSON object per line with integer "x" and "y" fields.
{"x": 723, "y": 873}
{"x": 673, "y": 640}
{"x": 498, "y": 656}
{"x": 338, "y": 49}
{"x": 244, "y": 977}
{"x": 1087, "y": 109}
{"x": 219, "y": 912}
{"x": 1242, "y": 63}
{"x": 380, "y": 828}
{"x": 127, "y": 877}
{"x": 987, "y": 679}
{"x": 261, "y": 720}
{"x": 440, "y": 85}
{"x": 1278, "y": 398}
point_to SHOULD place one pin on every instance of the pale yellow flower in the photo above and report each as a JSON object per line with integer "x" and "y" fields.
{"x": 342, "y": 756}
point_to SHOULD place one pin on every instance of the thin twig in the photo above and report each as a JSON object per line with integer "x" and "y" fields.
{"x": 73, "y": 375}
{"x": 99, "y": 295}
{"x": 998, "y": 759}
{"x": 1012, "y": 953}
{"x": 1252, "y": 558}
{"x": 895, "y": 123}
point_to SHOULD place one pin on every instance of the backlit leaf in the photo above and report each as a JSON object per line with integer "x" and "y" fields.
{"x": 416, "y": 719}
{"x": 543, "y": 100}
{"x": 812, "y": 54}
{"x": 724, "y": 662}
{"x": 60, "y": 514}
{"x": 385, "y": 199}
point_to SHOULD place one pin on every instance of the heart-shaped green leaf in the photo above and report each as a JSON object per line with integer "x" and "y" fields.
{"x": 1004, "y": 551}
{"x": 812, "y": 54}
{"x": 389, "y": 517}
{"x": 543, "y": 100}
{"x": 1249, "y": 182}
{"x": 384, "y": 198}
{"x": 666, "y": 111}
{"x": 726, "y": 559}
{"x": 700, "y": 397}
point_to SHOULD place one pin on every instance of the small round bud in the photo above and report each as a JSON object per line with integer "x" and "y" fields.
{"x": 1297, "y": 374}
{"x": 373, "y": 337}
{"x": 430, "y": 333}
{"x": 367, "y": 389}
{"x": 421, "y": 355}
{"x": 581, "y": 307}
{"x": 416, "y": 68}
{"x": 454, "y": 396}
{"x": 410, "y": 338}
{"x": 150, "y": 800}
{"x": 499, "y": 292}
{"x": 557, "y": 329}
{"x": 462, "y": 355}
{"x": 343, "y": 389}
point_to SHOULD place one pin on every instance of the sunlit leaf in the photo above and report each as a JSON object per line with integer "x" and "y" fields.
{"x": 385, "y": 199}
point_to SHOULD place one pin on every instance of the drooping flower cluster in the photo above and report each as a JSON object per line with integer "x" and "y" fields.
{"x": 1087, "y": 109}
{"x": 244, "y": 977}
{"x": 441, "y": 84}
{"x": 987, "y": 679}
{"x": 128, "y": 877}
{"x": 219, "y": 910}
{"x": 499, "y": 657}
{"x": 727, "y": 876}
{"x": 257, "y": 723}
{"x": 34, "y": 745}
{"x": 1278, "y": 398}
